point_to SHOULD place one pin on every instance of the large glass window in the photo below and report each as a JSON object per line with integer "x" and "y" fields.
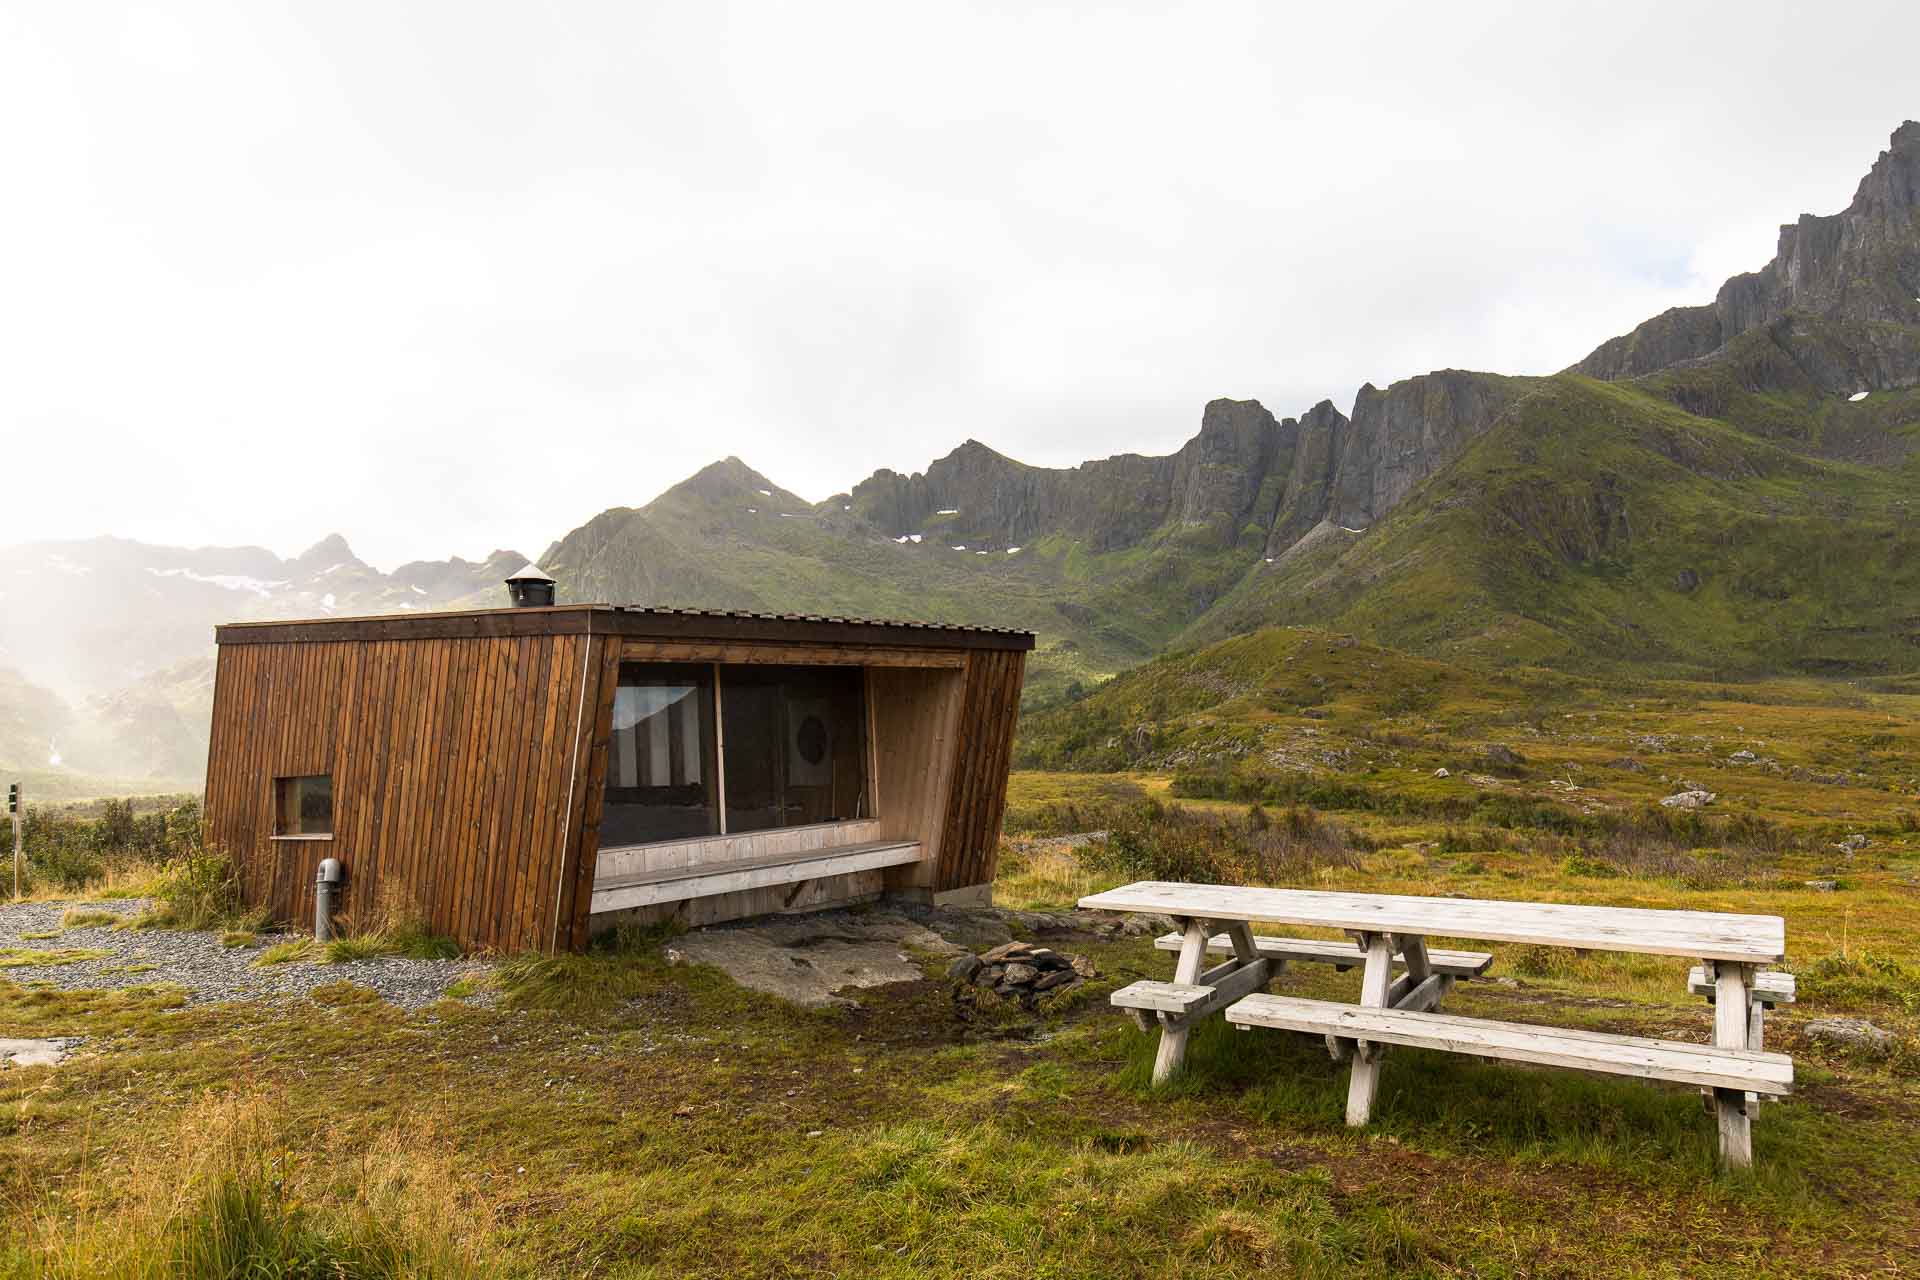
{"x": 796, "y": 745}
{"x": 790, "y": 741}
{"x": 660, "y": 766}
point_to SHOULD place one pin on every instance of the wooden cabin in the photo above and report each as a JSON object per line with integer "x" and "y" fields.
{"x": 527, "y": 777}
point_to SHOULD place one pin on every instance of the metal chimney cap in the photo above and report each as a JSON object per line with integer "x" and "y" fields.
{"x": 529, "y": 573}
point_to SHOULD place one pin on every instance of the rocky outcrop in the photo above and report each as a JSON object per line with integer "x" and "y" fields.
{"x": 1400, "y": 436}
{"x": 1222, "y": 478}
{"x": 1309, "y": 484}
{"x": 1217, "y": 482}
{"x": 1244, "y": 471}
{"x": 1860, "y": 265}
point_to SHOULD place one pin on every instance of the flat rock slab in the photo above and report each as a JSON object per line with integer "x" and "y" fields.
{"x": 808, "y": 959}
{"x": 35, "y": 1053}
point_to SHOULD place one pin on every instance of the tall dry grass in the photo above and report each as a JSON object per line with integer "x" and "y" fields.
{"x": 234, "y": 1191}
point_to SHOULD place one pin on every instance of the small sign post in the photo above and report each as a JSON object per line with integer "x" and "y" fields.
{"x": 13, "y": 810}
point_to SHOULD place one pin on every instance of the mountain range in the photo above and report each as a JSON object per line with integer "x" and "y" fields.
{"x": 1729, "y": 489}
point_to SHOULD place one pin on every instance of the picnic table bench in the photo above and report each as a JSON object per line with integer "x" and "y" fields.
{"x": 1390, "y": 929}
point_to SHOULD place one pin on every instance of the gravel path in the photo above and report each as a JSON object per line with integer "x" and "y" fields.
{"x": 196, "y": 962}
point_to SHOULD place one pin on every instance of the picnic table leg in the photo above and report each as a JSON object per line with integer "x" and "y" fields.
{"x": 1243, "y": 949}
{"x": 1732, "y": 1025}
{"x": 1173, "y": 1027}
{"x": 1365, "y": 1082}
{"x": 1419, "y": 987}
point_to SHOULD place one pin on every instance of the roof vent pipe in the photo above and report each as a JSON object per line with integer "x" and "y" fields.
{"x": 530, "y": 587}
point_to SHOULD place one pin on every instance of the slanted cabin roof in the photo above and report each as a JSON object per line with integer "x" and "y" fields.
{"x": 631, "y": 622}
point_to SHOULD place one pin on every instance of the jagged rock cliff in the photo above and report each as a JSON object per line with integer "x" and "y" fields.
{"x": 1861, "y": 265}
{"x": 1245, "y": 476}
{"x": 1400, "y": 436}
{"x": 1214, "y": 485}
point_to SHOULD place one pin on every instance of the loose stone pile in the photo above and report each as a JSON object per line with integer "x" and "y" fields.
{"x": 1021, "y": 971}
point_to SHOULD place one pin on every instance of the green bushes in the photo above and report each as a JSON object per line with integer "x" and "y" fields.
{"x": 1288, "y": 789}
{"x": 1153, "y": 841}
{"x": 1860, "y": 980}
{"x": 67, "y": 849}
{"x": 1649, "y": 840}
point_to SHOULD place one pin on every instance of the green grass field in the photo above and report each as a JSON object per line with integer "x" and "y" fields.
{"x": 611, "y": 1115}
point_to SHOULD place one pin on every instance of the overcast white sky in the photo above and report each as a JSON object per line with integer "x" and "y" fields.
{"x": 452, "y": 276}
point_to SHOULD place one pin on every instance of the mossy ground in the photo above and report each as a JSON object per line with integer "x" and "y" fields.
{"x": 611, "y": 1115}
{"x": 614, "y": 1116}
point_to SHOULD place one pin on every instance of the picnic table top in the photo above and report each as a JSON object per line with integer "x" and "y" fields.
{"x": 1705, "y": 935}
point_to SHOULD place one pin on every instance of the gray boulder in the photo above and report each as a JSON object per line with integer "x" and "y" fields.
{"x": 1848, "y": 1033}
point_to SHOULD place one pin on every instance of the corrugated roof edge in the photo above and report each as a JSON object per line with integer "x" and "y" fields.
{"x": 635, "y": 620}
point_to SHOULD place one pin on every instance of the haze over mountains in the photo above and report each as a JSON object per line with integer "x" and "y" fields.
{"x": 106, "y": 645}
{"x": 1730, "y": 488}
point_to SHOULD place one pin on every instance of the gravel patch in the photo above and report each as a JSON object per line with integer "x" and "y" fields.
{"x": 196, "y": 962}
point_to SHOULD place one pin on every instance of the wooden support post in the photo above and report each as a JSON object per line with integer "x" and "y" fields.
{"x": 1173, "y": 1028}
{"x": 1413, "y": 954}
{"x": 1365, "y": 1082}
{"x": 1732, "y": 1023}
{"x": 1243, "y": 949}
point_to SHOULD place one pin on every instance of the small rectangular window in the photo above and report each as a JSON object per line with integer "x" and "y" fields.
{"x": 303, "y": 806}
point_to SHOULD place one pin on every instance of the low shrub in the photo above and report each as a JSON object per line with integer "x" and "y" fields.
{"x": 1589, "y": 868}
{"x": 199, "y": 890}
{"x": 1860, "y": 980}
{"x": 1155, "y": 841}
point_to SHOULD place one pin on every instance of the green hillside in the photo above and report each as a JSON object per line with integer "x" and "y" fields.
{"x": 1605, "y": 525}
{"x": 729, "y": 538}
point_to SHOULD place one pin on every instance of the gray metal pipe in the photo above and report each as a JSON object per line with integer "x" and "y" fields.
{"x": 326, "y": 885}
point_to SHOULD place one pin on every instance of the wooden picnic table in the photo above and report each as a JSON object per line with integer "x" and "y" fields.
{"x": 1386, "y": 927}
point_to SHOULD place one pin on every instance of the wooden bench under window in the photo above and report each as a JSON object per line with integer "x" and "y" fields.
{"x": 678, "y": 884}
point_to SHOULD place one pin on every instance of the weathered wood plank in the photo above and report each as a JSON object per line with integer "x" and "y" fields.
{"x": 1364, "y": 1083}
{"x": 1172, "y": 1049}
{"x": 792, "y": 654}
{"x": 1340, "y": 952}
{"x": 1193, "y": 1000}
{"x": 650, "y": 888}
{"x": 589, "y": 808}
{"x": 1769, "y": 986}
{"x": 1707, "y": 1065}
{"x": 1707, "y": 935}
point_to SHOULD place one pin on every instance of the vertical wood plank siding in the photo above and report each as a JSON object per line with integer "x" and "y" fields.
{"x": 469, "y": 769}
{"x": 460, "y": 776}
{"x": 977, "y": 796}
